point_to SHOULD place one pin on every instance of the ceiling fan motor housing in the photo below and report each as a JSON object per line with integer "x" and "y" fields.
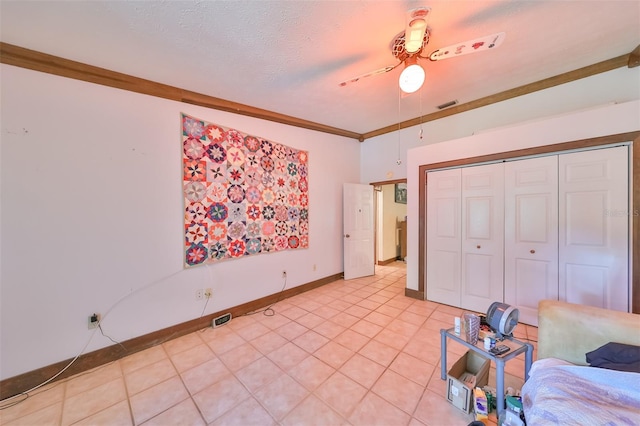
{"x": 502, "y": 318}
{"x": 398, "y": 50}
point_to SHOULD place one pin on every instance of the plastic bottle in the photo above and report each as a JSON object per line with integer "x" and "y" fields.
{"x": 511, "y": 416}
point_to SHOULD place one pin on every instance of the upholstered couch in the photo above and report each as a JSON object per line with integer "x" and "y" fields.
{"x": 562, "y": 388}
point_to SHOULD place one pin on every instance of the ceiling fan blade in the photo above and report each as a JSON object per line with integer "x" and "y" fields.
{"x": 471, "y": 46}
{"x": 369, "y": 74}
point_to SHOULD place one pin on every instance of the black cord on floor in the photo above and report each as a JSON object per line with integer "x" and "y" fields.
{"x": 269, "y": 311}
{"x": 109, "y": 337}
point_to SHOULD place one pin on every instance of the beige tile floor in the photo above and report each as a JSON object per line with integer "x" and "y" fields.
{"x": 354, "y": 352}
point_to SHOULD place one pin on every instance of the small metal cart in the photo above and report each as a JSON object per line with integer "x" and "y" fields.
{"x": 517, "y": 347}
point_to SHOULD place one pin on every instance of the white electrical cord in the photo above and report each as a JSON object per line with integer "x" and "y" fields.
{"x": 207, "y": 286}
{"x": 84, "y": 348}
{"x": 26, "y": 393}
{"x": 205, "y": 307}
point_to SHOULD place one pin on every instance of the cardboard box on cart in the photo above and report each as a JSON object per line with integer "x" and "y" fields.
{"x": 469, "y": 371}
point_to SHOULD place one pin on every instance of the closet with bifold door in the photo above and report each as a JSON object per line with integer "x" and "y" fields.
{"x": 524, "y": 230}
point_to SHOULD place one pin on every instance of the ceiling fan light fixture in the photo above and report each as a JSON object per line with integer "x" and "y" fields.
{"x": 414, "y": 35}
{"x": 415, "y": 29}
{"x": 412, "y": 77}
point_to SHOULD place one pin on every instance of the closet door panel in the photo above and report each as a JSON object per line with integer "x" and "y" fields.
{"x": 593, "y": 288}
{"x": 478, "y": 218}
{"x": 482, "y": 236}
{"x": 531, "y": 234}
{"x": 594, "y": 223}
{"x": 443, "y": 237}
{"x": 585, "y": 223}
{"x": 528, "y": 287}
{"x": 478, "y": 275}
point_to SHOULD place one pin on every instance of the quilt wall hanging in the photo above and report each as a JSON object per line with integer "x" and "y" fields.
{"x": 243, "y": 195}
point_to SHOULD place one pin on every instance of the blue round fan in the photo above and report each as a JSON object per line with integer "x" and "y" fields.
{"x": 502, "y": 318}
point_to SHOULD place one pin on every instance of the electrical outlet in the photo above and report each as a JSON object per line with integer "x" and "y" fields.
{"x": 94, "y": 321}
{"x": 284, "y": 274}
{"x": 208, "y": 293}
{"x": 199, "y": 294}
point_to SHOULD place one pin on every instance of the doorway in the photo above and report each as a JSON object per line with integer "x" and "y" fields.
{"x": 391, "y": 221}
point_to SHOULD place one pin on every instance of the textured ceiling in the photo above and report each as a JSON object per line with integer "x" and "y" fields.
{"x": 289, "y": 56}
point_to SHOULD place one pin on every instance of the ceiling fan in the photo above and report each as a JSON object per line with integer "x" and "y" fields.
{"x": 408, "y": 46}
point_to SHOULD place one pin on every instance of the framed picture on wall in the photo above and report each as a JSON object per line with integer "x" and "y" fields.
{"x": 401, "y": 193}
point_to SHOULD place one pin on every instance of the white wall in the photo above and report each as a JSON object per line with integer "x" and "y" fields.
{"x": 91, "y": 202}
{"x": 379, "y": 154}
{"x": 92, "y": 217}
{"x": 594, "y": 122}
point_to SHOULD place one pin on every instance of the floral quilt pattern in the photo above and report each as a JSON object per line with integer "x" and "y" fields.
{"x": 243, "y": 195}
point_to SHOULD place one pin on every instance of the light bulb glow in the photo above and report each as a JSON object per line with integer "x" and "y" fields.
{"x": 411, "y": 78}
{"x": 414, "y": 35}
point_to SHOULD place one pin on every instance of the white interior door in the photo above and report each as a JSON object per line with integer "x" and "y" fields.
{"x": 482, "y": 236}
{"x": 594, "y": 224}
{"x": 443, "y": 236}
{"x": 358, "y": 235}
{"x": 531, "y": 234}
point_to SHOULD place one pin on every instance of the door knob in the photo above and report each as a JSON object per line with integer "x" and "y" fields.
{"x": 478, "y": 246}
{"x": 347, "y": 235}
{"x": 532, "y": 251}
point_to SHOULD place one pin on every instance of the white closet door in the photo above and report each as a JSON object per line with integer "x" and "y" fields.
{"x": 443, "y": 236}
{"x": 482, "y": 236}
{"x": 531, "y": 234}
{"x": 594, "y": 224}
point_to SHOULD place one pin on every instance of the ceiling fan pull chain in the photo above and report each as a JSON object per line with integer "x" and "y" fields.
{"x": 421, "y": 130}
